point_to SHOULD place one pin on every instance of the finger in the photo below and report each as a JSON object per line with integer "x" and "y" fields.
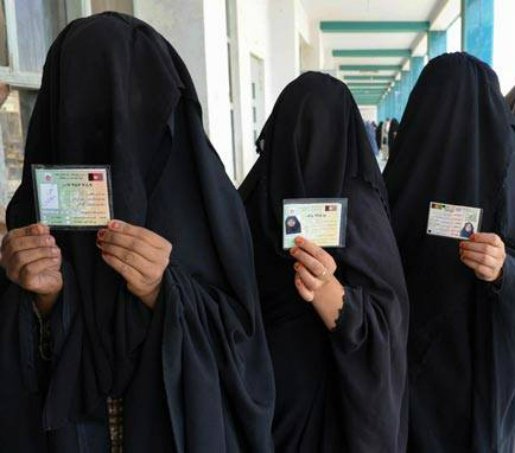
{"x": 31, "y": 274}
{"x": 141, "y": 233}
{"x": 308, "y": 279}
{"x": 481, "y": 258}
{"x": 27, "y": 243}
{"x": 133, "y": 259}
{"x": 25, "y": 257}
{"x": 316, "y": 252}
{"x": 35, "y": 229}
{"x": 129, "y": 274}
{"x": 30, "y": 230}
{"x": 305, "y": 293}
{"x": 487, "y": 238}
{"x": 485, "y": 248}
{"x": 132, "y": 244}
{"x": 479, "y": 268}
{"x": 312, "y": 264}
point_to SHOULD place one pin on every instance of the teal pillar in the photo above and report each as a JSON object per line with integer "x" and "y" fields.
{"x": 399, "y": 94}
{"x": 478, "y": 28}
{"x": 436, "y": 43}
{"x": 417, "y": 65}
{"x": 405, "y": 91}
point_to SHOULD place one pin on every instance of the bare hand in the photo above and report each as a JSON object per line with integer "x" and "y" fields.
{"x": 314, "y": 267}
{"x": 33, "y": 261}
{"x": 138, "y": 255}
{"x": 485, "y": 254}
{"x": 315, "y": 280}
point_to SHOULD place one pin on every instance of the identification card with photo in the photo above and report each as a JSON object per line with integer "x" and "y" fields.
{"x": 73, "y": 197}
{"x": 453, "y": 221}
{"x": 321, "y": 220}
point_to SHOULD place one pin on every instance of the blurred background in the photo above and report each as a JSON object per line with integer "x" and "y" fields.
{"x": 241, "y": 54}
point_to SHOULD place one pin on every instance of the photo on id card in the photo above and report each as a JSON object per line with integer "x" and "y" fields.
{"x": 321, "y": 220}
{"x": 453, "y": 221}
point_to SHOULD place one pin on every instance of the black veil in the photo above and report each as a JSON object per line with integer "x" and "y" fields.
{"x": 342, "y": 390}
{"x": 195, "y": 373}
{"x": 455, "y": 145}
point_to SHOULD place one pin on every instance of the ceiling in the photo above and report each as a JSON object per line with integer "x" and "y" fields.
{"x": 388, "y": 29}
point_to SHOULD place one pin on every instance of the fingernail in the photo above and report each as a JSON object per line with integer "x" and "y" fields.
{"x": 299, "y": 240}
{"x": 296, "y": 266}
{"x": 99, "y": 245}
{"x": 101, "y": 233}
{"x": 114, "y": 225}
{"x": 50, "y": 240}
{"x": 55, "y": 251}
{"x": 55, "y": 260}
{"x": 294, "y": 250}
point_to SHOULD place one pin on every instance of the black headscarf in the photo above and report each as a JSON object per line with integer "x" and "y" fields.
{"x": 379, "y": 133}
{"x": 510, "y": 99}
{"x": 195, "y": 374}
{"x": 340, "y": 390}
{"x": 455, "y": 145}
{"x": 392, "y": 132}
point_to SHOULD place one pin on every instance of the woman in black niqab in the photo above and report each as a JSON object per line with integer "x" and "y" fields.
{"x": 392, "y": 134}
{"x": 510, "y": 99}
{"x": 339, "y": 390}
{"x": 456, "y": 145}
{"x": 194, "y": 374}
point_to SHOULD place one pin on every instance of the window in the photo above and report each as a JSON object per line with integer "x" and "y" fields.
{"x": 38, "y": 22}
{"x": 234, "y": 89}
{"x": 257, "y": 74}
{"x": 4, "y": 52}
{"x": 11, "y": 144}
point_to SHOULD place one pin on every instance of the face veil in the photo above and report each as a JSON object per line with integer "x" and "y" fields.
{"x": 115, "y": 92}
{"x": 455, "y": 145}
{"x": 314, "y": 145}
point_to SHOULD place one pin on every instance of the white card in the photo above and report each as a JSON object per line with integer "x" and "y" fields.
{"x": 453, "y": 221}
{"x": 321, "y": 220}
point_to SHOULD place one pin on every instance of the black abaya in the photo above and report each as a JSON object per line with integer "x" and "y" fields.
{"x": 342, "y": 390}
{"x": 194, "y": 374}
{"x": 456, "y": 145}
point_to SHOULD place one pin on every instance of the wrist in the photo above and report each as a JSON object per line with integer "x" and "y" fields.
{"x": 150, "y": 298}
{"x": 45, "y": 302}
{"x": 328, "y": 302}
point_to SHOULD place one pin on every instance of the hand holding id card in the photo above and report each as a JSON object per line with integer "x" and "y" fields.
{"x": 453, "y": 221}
{"x": 321, "y": 220}
{"x": 72, "y": 197}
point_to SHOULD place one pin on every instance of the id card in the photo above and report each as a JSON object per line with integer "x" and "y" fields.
{"x": 452, "y": 221}
{"x": 321, "y": 220}
{"x": 72, "y": 197}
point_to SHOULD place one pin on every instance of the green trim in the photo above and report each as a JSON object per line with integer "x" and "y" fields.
{"x": 366, "y": 77}
{"x": 373, "y": 27}
{"x": 377, "y": 67}
{"x": 375, "y": 92}
{"x": 368, "y": 97}
{"x": 367, "y": 85}
{"x": 404, "y": 53}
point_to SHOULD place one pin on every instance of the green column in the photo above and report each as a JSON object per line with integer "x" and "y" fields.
{"x": 478, "y": 28}
{"x": 437, "y": 43}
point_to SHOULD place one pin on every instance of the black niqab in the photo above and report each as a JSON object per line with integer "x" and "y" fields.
{"x": 455, "y": 145}
{"x": 341, "y": 390}
{"x": 195, "y": 374}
